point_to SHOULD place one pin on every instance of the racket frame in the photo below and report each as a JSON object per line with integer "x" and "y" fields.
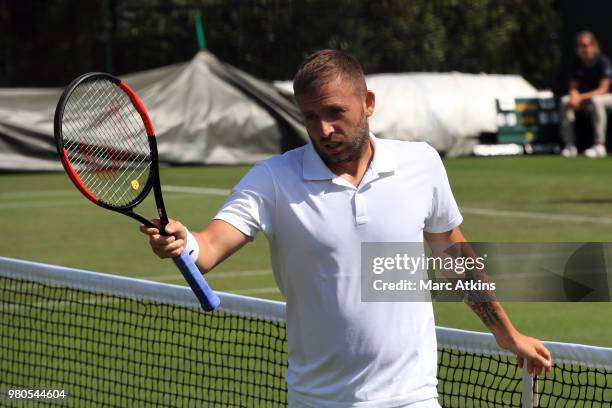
{"x": 153, "y": 179}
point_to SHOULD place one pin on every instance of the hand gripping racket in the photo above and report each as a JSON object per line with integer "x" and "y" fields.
{"x": 106, "y": 143}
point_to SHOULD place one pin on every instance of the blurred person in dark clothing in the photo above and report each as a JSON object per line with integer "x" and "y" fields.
{"x": 589, "y": 91}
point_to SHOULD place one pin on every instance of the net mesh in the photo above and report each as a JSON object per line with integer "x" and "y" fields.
{"x": 106, "y": 141}
{"x": 156, "y": 348}
{"x": 112, "y": 351}
{"x": 478, "y": 379}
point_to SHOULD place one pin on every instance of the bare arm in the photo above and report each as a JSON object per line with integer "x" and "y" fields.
{"x": 573, "y": 87}
{"x": 217, "y": 241}
{"x": 603, "y": 88}
{"x": 493, "y": 315}
{"x": 575, "y": 98}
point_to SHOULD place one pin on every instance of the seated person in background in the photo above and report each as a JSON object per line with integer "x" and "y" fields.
{"x": 589, "y": 90}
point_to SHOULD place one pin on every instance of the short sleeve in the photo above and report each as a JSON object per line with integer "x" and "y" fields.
{"x": 250, "y": 205}
{"x": 444, "y": 215}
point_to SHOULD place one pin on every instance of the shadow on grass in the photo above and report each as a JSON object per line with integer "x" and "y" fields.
{"x": 594, "y": 201}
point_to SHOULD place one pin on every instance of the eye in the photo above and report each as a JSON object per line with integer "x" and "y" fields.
{"x": 335, "y": 112}
{"x": 309, "y": 116}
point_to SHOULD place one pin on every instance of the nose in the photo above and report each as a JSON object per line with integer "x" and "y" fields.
{"x": 327, "y": 129}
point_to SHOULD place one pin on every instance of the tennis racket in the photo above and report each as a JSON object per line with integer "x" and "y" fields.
{"x": 106, "y": 143}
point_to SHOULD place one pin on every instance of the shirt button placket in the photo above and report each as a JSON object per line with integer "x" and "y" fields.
{"x": 361, "y": 213}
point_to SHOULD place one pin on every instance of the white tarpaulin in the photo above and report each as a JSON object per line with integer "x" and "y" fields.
{"x": 208, "y": 112}
{"x": 204, "y": 112}
{"x": 447, "y": 110}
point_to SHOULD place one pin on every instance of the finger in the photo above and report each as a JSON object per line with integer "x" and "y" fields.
{"x": 171, "y": 250}
{"x": 160, "y": 242}
{"x": 520, "y": 361}
{"x": 176, "y": 252}
{"x": 544, "y": 352}
{"x": 543, "y": 362}
{"x": 536, "y": 365}
{"x": 167, "y": 251}
{"x": 148, "y": 230}
{"x": 530, "y": 367}
{"x": 543, "y": 356}
{"x": 174, "y": 246}
{"x": 537, "y": 368}
{"x": 164, "y": 243}
{"x": 174, "y": 227}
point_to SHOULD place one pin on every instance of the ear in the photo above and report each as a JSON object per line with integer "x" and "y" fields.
{"x": 370, "y": 102}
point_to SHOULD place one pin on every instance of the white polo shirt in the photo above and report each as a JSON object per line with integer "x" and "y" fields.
{"x": 344, "y": 352}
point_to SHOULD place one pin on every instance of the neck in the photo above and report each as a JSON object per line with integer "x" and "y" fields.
{"x": 354, "y": 170}
{"x": 589, "y": 61}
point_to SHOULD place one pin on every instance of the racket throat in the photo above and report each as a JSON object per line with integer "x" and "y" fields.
{"x": 138, "y": 218}
{"x": 162, "y": 217}
{"x": 159, "y": 201}
{"x": 157, "y": 191}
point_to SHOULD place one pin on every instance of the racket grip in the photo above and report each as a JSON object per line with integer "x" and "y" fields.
{"x": 208, "y": 299}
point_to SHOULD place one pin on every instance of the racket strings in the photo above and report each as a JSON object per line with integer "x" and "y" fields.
{"x": 106, "y": 142}
{"x": 106, "y": 159}
{"x": 90, "y": 155}
{"x": 109, "y": 161}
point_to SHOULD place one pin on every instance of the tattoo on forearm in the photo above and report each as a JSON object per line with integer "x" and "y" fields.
{"x": 486, "y": 311}
{"x": 479, "y": 297}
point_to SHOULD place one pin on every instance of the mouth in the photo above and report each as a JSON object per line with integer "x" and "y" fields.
{"x": 333, "y": 148}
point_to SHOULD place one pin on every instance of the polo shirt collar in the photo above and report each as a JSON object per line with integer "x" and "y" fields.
{"x": 313, "y": 167}
{"x": 383, "y": 160}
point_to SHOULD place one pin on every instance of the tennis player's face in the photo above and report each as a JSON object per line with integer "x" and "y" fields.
{"x": 336, "y": 118}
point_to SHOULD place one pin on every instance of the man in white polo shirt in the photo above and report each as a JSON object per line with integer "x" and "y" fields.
{"x": 316, "y": 205}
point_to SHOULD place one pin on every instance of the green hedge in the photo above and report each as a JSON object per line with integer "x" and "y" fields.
{"x": 269, "y": 38}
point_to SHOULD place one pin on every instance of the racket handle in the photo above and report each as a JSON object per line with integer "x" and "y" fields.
{"x": 208, "y": 299}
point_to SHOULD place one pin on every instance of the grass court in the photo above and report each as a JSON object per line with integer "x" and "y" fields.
{"x": 508, "y": 199}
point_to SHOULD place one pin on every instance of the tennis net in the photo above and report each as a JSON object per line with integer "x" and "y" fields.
{"x": 115, "y": 341}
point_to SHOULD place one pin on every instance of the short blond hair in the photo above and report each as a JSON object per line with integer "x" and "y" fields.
{"x": 325, "y": 66}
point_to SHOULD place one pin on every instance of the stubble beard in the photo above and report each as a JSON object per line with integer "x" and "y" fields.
{"x": 354, "y": 147}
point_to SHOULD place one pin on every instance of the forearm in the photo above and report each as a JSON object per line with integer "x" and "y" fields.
{"x": 206, "y": 260}
{"x": 573, "y": 88}
{"x": 218, "y": 241}
{"x": 527, "y": 349}
{"x": 483, "y": 302}
{"x": 493, "y": 315}
{"x": 210, "y": 254}
{"x": 595, "y": 92}
{"x": 603, "y": 88}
